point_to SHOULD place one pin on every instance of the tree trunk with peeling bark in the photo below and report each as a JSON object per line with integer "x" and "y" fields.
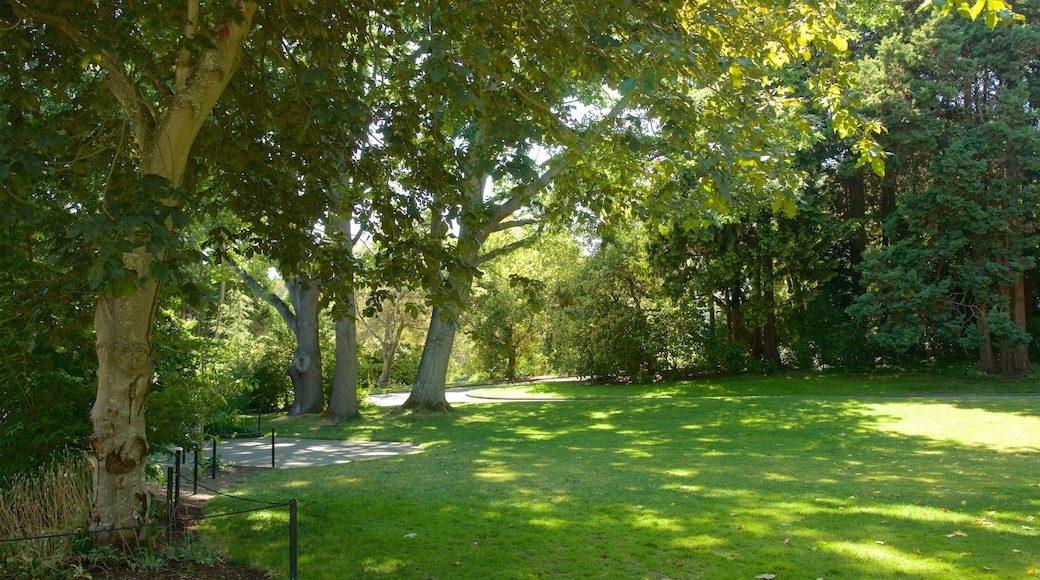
{"x": 343, "y": 401}
{"x": 305, "y": 368}
{"x": 163, "y": 138}
{"x": 428, "y": 391}
{"x": 124, "y": 349}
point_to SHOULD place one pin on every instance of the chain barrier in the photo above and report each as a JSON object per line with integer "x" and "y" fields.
{"x": 266, "y": 505}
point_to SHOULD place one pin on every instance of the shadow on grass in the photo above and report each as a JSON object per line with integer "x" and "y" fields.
{"x": 719, "y": 488}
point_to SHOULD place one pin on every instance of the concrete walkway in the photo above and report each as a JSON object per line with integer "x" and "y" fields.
{"x": 456, "y": 395}
{"x": 290, "y": 453}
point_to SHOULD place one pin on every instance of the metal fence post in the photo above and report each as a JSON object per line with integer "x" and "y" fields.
{"x": 213, "y": 468}
{"x": 195, "y": 478}
{"x": 272, "y": 448}
{"x": 177, "y": 479}
{"x": 169, "y": 503}
{"x": 292, "y": 540}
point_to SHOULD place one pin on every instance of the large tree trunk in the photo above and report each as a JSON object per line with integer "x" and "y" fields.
{"x": 123, "y": 324}
{"x": 987, "y": 357}
{"x": 770, "y": 346}
{"x": 428, "y": 390}
{"x": 343, "y": 401}
{"x": 1015, "y": 362}
{"x": 124, "y": 349}
{"x": 856, "y": 209}
{"x": 305, "y": 369}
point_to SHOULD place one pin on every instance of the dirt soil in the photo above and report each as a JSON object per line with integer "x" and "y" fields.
{"x": 190, "y": 506}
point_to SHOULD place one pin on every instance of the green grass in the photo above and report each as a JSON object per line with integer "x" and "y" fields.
{"x": 896, "y": 384}
{"x": 728, "y": 487}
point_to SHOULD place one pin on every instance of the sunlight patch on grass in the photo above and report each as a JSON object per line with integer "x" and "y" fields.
{"x": 381, "y": 566}
{"x": 778, "y": 477}
{"x": 682, "y": 487}
{"x": 267, "y": 520}
{"x": 535, "y": 434}
{"x": 633, "y": 453}
{"x": 682, "y": 472}
{"x": 949, "y": 422}
{"x": 697, "y": 542}
{"x": 643, "y": 517}
{"x": 494, "y": 471}
{"x": 896, "y": 512}
{"x": 889, "y": 559}
{"x": 548, "y": 522}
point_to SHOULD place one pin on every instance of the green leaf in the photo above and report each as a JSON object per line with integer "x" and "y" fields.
{"x": 628, "y": 86}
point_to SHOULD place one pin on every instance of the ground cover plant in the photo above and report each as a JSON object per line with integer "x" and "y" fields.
{"x": 726, "y": 487}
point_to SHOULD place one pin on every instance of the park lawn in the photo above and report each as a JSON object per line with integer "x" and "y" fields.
{"x": 798, "y": 487}
{"x": 801, "y": 384}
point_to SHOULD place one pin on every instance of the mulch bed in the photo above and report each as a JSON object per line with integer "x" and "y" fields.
{"x": 190, "y": 507}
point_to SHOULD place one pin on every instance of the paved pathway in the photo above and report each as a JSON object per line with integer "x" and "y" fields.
{"x": 456, "y": 395}
{"x": 304, "y": 452}
{"x": 290, "y": 452}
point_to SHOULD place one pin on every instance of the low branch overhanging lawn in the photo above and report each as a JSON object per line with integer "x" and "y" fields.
{"x": 799, "y": 487}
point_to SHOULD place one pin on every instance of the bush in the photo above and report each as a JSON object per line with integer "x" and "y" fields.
{"x": 719, "y": 351}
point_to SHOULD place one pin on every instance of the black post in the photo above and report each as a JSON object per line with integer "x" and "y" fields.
{"x": 169, "y": 503}
{"x": 272, "y": 448}
{"x": 292, "y": 539}
{"x": 195, "y": 479}
{"x": 183, "y": 456}
{"x": 177, "y": 480}
{"x": 213, "y": 468}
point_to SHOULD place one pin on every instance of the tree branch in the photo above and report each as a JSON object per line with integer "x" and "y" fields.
{"x": 183, "y": 66}
{"x": 501, "y": 251}
{"x": 502, "y": 226}
{"x": 525, "y": 192}
{"x": 283, "y": 309}
{"x": 115, "y": 79}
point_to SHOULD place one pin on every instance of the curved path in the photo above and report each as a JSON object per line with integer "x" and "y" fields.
{"x": 290, "y": 452}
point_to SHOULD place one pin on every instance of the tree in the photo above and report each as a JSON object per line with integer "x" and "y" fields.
{"x": 492, "y": 99}
{"x": 754, "y": 268}
{"x": 302, "y": 319}
{"x": 388, "y": 324}
{"x": 130, "y": 50}
{"x": 961, "y": 237}
{"x": 612, "y": 328}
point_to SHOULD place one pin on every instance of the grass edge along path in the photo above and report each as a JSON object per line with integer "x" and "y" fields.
{"x": 799, "y": 487}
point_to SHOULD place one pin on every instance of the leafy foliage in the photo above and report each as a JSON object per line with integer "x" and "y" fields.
{"x": 962, "y": 233}
{"x": 612, "y": 333}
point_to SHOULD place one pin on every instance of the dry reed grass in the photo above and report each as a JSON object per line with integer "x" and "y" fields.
{"x": 55, "y": 500}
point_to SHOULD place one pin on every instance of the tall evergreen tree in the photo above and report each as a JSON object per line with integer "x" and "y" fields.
{"x": 964, "y": 100}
